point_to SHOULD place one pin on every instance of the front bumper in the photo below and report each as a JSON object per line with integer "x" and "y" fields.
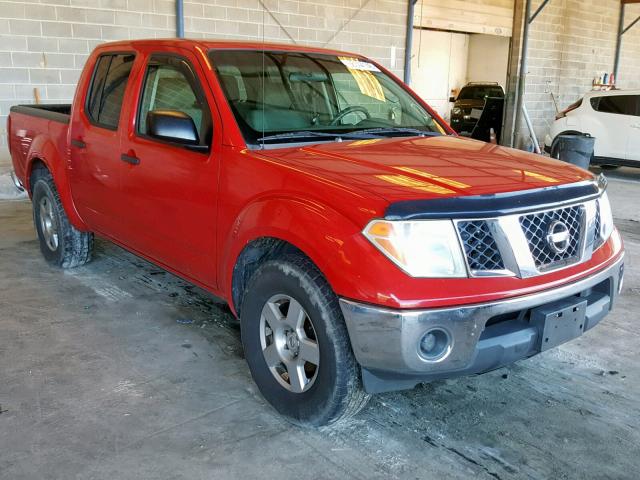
{"x": 460, "y": 125}
{"x": 483, "y": 337}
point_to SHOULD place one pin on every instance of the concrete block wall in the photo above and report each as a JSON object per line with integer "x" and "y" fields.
{"x": 630, "y": 54}
{"x": 45, "y": 43}
{"x": 570, "y": 43}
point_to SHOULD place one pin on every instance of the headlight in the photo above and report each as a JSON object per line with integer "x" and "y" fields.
{"x": 606, "y": 217}
{"x": 456, "y": 111}
{"x": 426, "y": 248}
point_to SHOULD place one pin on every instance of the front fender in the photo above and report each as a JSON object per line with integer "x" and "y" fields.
{"x": 328, "y": 238}
{"x": 43, "y": 150}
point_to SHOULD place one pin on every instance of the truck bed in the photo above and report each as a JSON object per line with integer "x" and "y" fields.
{"x": 47, "y": 126}
{"x": 59, "y": 112}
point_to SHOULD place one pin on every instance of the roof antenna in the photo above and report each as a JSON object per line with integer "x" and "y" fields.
{"x": 262, "y": 77}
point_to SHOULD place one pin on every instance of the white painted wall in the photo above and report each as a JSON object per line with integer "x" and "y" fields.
{"x": 494, "y": 17}
{"x": 488, "y": 59}
{"x": 438, "y": 64}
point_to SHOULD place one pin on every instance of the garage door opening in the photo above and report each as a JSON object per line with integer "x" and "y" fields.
{"x": 444, "y": 62}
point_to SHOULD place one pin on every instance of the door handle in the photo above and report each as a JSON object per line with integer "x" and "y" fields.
{"x": 635, "y": 125}
{"x": 129, "y": 159}
{"x": 76, "y": 142}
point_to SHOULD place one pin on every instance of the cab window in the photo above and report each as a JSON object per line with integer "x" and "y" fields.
{"x": 170, "y": 84}
{"x": 108, "y": 85}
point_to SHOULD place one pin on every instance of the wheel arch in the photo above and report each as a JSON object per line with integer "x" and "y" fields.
{"x": 276, "y": 226}
{"x": 44, "y": 154}
{"x": 565, "y": 132}
{"x": 554, "y": 140}
{"x": 251, "y": 257}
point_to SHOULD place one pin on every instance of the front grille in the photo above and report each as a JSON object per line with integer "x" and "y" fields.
{"x": 480, "y": 246}
{"x": 536, "y": 226}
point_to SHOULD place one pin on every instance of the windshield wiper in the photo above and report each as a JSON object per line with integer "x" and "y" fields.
{"x": 390, "y": 130}
{"x": 369, "y": 133}
{"x": 308, "y": 134}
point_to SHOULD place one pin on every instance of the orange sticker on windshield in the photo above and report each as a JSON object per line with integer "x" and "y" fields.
{"x": 362, "y": 72}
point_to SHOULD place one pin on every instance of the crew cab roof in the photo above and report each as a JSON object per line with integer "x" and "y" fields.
{"x": 219, "y": 44}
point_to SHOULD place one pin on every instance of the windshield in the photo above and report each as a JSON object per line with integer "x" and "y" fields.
{"x": 480, "y": 92}
{"x": 282, "y": 97}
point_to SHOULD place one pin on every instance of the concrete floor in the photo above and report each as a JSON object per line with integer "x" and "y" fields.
{"x": 118, "y": 370}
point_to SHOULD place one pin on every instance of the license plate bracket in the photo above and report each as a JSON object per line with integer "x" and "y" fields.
{"x": 559, "y": 322}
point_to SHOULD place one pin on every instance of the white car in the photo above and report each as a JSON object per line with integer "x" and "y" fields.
{"x": 612, "y": 117}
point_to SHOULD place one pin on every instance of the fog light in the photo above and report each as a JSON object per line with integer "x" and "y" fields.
{"x": 435, "y": 345}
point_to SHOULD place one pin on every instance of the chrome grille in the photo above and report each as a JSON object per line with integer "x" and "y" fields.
{"x": 479, "y": 246}
{"x": 535, "y": 227}
{"x": 597, "y": 235}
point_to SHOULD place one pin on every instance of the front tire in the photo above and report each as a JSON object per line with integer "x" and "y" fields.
{"x": 61, "y": 244}
{"x": 297, "y": 345}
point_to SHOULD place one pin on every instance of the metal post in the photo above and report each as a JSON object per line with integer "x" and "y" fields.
{"x": 522, "y": 77}
{"x": 537, "y": 12}
{"x": 616, "y": 61}
{"x": 180, "y": 18}
{"x": 408, "y": 46}
{"x": 534, "y": 138}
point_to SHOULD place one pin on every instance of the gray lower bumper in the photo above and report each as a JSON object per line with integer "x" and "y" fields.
{"x": 483, "y": 337}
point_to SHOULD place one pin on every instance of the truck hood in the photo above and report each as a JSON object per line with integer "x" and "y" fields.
{"x": 398, "y": 169}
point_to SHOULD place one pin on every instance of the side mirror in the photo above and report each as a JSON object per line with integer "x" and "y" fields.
{"x": 452, "y": 99}
{"x": 172, "y": 126}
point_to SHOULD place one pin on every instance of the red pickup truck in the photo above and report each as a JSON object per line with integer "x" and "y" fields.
{"x": 364, "y": 246}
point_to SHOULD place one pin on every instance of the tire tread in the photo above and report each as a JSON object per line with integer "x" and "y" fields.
{"x": 77, "y": 246}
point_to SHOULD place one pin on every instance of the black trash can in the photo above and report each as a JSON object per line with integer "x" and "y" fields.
{"x": 574, "y": 149}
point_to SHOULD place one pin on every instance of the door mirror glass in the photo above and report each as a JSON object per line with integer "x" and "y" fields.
{"x": 172, "y": 126}
{"x": 452, "y": 99}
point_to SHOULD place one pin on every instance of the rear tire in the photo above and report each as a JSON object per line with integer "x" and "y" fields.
{"x": 297, "y": 345}
{"x": 61, "y": 243}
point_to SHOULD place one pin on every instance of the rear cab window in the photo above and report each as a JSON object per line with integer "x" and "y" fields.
{"x": 108, "y": 85}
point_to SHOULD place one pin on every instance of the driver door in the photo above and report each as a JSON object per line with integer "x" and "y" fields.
{"x": 171, "y": 189}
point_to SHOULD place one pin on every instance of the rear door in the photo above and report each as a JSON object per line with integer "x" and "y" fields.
{"x": 172, "y": 189}
{"x": 611, "y": 124}
{"x": 95, "y": 144}
{"x": 633, "y": 148}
